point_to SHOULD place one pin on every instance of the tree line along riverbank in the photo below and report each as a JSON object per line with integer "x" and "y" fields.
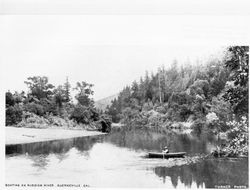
{"x": 45, "y": 105}
{"x": 209, "y": 96}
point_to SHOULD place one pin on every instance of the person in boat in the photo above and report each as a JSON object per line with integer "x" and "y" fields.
{"x": 165, "y": 150}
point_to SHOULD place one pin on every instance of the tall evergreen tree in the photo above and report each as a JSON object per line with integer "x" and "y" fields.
{"x": 67, "y": 90}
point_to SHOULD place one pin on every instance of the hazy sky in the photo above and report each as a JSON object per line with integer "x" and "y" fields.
{"x": 183, "y": 7}
{"x": 108, "y": 51}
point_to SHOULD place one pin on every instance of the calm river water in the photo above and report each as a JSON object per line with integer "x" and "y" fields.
{"x": 119, "y": 160}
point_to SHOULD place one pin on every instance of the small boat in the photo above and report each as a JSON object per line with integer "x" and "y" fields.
{"x": 166, "y": 155}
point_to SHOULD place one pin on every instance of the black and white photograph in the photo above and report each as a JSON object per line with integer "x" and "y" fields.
{"x": 124, "y": 97}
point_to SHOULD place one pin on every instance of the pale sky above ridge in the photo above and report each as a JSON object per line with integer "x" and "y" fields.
{"x": 108, "y": 51}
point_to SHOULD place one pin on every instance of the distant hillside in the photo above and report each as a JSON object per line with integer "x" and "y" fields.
{"x": 103, "y": 103}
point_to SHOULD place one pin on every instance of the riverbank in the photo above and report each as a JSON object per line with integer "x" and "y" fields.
{"x": 14, "y": 135}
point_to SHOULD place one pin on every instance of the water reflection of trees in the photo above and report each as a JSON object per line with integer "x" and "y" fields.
{"x": 39, "y": 152}
{"x": 145, "y": 140}
{"x": 208, "y": 172}
{"x": 40, "y": 161}
{"x": 55, "y": 147}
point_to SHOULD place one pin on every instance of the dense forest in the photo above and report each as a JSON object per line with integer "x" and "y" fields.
{"x": 45, "y": 105}
{"x": 211, "y": 96}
